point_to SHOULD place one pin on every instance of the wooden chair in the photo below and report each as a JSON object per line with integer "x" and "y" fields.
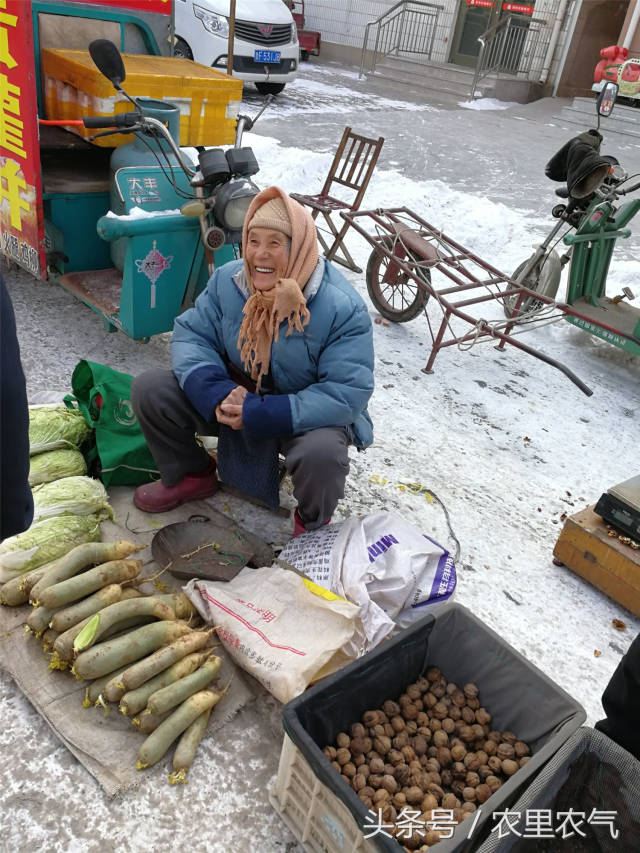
{"x": 352, "y": 168}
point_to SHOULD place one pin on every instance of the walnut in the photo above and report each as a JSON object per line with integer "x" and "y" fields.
{"x": 509, "y": 767}
{"x": 343, "y": 740}
{"x": 457, "y": 787}
{"x": 426, "y": 732}
{"x": 472, "y": 779}
{"x": 439, "y": 689}
{"x": 429, "y": 802}
{"x": 359, "y": 782}
{"x": 388, "y": 769}
{"x": 440, "y": 738}
{"x": 494, "y": 735}
{"x": 375, "y": 780}
{"x": 405, "y": 699}
{"x": 433, "y": 673}
{"x": 417, "y": 779}
{"x": 376, "y": 765}
{"x": 343, "y": 756}
{"x": 420, "y": 745}
{"x": 431, "y": 838}
{"x": 509, "y": 737}
{"x": 372, "y": 718}
{"x": 391, "y": 709}
{"x": 433, "y": 765}
{"x": 336, "y": 766}
{"x": 478, "y": 731}
{"x": 414, "y": 691}
{"x": 399, "y": 800}
{"x": 482, "y": 757}
{"x": 429, "y": 700}
{"x": 412, "y": 727}
{"x": 436, "y": 790}
{"x": 372, "y": 755}
{"x": 455, "y": 713}
{"x": 398, "y": 724}
{"x": 366, "y": 793}
{"x": 448, "y": 725}
{"x": 389, "y": 730}
{"x": 422, "y": 719}
{"x": 358, "y": 746}
{"x": 364, "y": 769}
{"x": 395, "y": 757}
{"x": 377, "y": 731}
{"x": 483, "y": 771}
{"x": 349, "y": 769}
{"x": 414, "y": 795}
{"x": 493, "y": 782}
{"x": 483, "y": 792}
{"x": 458, "y": 752}
{"x": 444, "y": 756}
{"x": 472, "y": 761}
{"x": 439, "y": 710}
{"x": 521, "y": 749}
{"x": 358, "y": 730}
{"x": 495, "y": 763}
{"x": 469, "y": 794}
{"x": 490, "y": 747}
{"x": 435, "y": 725}
{"x": 389, "y": 783}
{"x": 468, "y": 807}
{"x": 473, "y": 703}
{"x": 400, "y": 740}
{"x": 466, "y": 734}
{"x": 470, "y": 691}
{"x": 330, "y": 752}
{"x": 505, "y": 750}
{"x": 483, "y": 717}
{"x": 382, "y": 796}
{"x": 524, "y": 760}
{"x": 401, "y": 775}
{"x": 468, "y": 715}
{"x": 382, "y": 744}
{"x": 358, "y": 760}
{"x": 410, "y": 711}
{"x": 459, "y": 771}
{"x": 408, "y": 753}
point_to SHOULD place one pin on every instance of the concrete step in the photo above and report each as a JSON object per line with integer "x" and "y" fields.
{"x": 430, "y": 76}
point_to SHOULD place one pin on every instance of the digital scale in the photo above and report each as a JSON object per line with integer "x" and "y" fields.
{"x": 620, "y": 507}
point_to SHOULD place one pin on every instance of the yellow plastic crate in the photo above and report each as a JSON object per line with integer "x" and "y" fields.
{"x": 208, "y": 100}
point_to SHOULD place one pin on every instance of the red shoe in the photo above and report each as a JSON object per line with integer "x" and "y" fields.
{"x": 155, "y": 497}
{"x": 299, "y": 526}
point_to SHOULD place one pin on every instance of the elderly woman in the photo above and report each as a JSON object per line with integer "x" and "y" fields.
{"x": 275, "y": 356}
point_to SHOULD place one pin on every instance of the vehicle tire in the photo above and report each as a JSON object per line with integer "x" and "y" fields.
{"x": 182, "y": 49}
{"x": 544, "y": 278}
{"x": 304, "y": 55}
{"x": 401, "y": 300}
{"x": 270, "y": 88}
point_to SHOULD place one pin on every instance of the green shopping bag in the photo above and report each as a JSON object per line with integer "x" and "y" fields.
{"x": 120, "y": 455}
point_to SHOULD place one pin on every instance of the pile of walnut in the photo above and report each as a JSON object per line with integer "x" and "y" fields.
{"x": 432, "y": 749}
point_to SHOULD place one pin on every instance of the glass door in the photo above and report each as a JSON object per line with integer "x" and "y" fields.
{"x": 474, "y": 17}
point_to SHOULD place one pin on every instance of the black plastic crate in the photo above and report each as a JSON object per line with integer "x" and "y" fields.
{"x": 520, "y": 698}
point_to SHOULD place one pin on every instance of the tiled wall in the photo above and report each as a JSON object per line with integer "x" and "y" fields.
{"x": 342, "y": 22}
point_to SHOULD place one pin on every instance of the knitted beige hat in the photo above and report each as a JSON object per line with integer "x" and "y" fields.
{"x": 272, "y": 214}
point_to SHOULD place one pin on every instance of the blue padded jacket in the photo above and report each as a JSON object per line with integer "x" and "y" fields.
{"x": 323, "y": 376}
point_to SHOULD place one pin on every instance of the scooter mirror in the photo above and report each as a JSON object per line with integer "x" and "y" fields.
{"x": 607, "y": 98}
{"x": 108, "y": 60}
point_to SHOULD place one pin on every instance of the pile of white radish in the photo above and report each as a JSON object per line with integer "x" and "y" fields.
{"x": 136, "y": 650}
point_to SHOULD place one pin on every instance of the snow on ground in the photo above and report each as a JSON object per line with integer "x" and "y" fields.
{"x": 505, "y": 442}
{"x": 486, "y": 104}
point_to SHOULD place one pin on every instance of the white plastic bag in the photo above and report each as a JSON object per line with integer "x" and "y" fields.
{"x": 284, "y": 630}
{"x": 381, "y": 562}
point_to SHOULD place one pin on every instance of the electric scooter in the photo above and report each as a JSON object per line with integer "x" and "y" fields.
{"x": 594, "y": 219}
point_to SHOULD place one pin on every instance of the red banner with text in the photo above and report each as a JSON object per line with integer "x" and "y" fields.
{"x": 21, "y": 219}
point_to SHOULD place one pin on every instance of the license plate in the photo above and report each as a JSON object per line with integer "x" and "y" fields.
{"x": 266, "y": 56}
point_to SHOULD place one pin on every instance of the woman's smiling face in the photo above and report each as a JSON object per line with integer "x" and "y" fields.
{"x": 267, "y": 256}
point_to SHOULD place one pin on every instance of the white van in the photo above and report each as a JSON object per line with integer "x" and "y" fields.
{"x": 266, "y": 49}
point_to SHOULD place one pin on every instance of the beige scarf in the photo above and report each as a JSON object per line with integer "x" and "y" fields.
{"x": 264, "y": 311}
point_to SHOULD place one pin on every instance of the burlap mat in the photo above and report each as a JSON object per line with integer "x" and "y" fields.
{"x": 106, "y": 745}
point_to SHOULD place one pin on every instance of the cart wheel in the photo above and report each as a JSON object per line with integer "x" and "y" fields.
{"x": 544, "y": 278}
{"x": 400, "y": 300}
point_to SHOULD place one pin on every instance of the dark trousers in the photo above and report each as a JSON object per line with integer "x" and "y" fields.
{"x": 318, "y": 460}
{"x": 621, "y": 702}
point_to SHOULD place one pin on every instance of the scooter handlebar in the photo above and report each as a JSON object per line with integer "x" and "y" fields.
{"x": 120, "y": 120}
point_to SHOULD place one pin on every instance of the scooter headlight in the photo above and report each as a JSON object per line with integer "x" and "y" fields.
{"x": 232, "y": 202}
{"x": 216, "y": 24}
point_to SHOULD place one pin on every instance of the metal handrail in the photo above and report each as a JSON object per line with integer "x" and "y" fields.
{"x": 398, "y": 13}
{"x": 496, "y": 31}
